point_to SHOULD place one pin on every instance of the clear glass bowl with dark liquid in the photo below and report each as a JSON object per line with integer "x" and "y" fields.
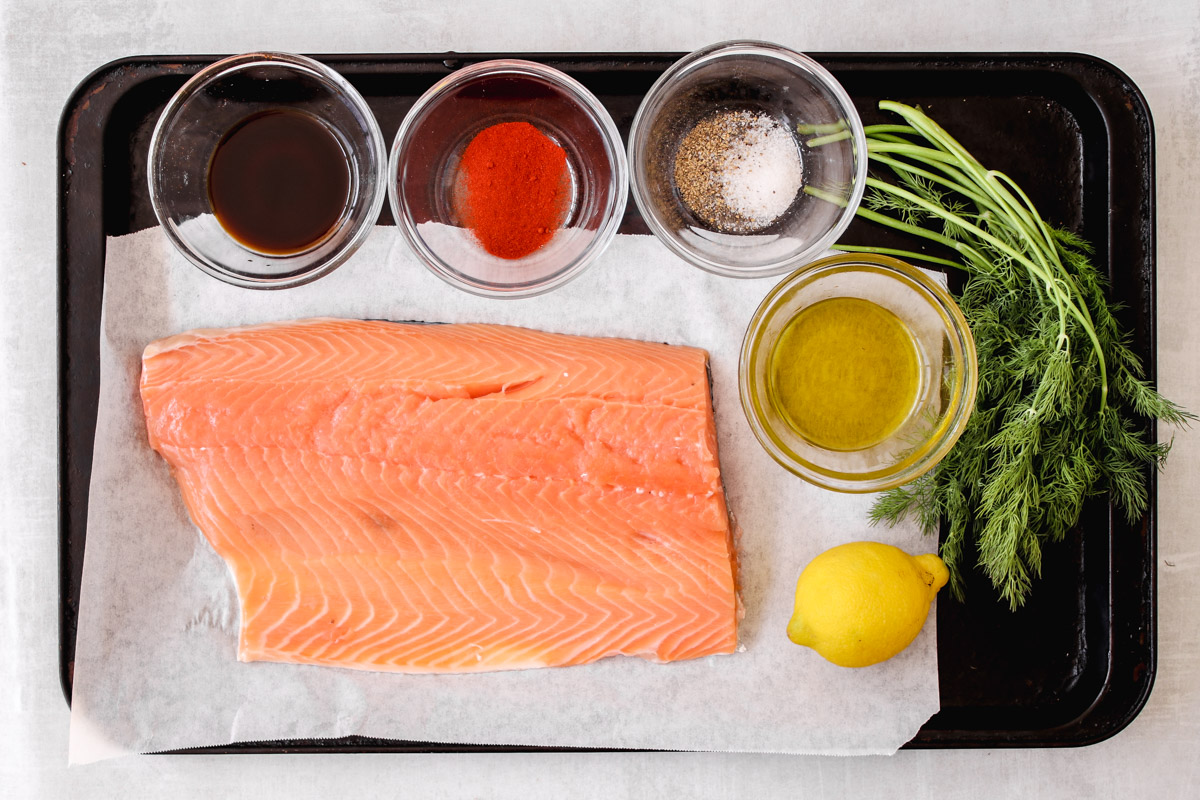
{"x": 267, "y": 170}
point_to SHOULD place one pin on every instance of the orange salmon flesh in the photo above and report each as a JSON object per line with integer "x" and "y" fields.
{"x": 451, "y": 498}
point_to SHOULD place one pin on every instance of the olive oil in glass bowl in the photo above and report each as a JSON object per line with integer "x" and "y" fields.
{"x": 858, "y": 373}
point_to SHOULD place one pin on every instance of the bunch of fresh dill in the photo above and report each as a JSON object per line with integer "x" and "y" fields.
{"x": 1062, "y": 399}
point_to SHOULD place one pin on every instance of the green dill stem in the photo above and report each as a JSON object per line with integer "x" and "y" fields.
{"x": 1051, "y": 248}
{"x": 821, "y": 127}
{"x": 932, "y": 176}
{"x": 828, "y": 197}
{"x": 1018, "y": 218}
{"x": 925, "y": 155}
{"x": 1061, "y": 299}
{"x": 985, "y": 179}
{"x": 889, "y": 127}
{"x": 970, "y": 253}
{"x": 886, "y": 137}
{"x": 1036, "y": 220}
{"x": 900, "y": 225}
{"x": 989, "y": 201}
{"x": 933, "y": 132}
{"x": 989, "y": 180}
{"x": 993, "y": 197}
{"x": 932, "y": 208}
{"x": 828, "y": 139}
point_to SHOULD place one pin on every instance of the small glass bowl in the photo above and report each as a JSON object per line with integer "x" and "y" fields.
{"x": 948, "y": 372}
{"x": 212, "y": 103}
{"x": 424, "y": 163}
{"x": 763, "y": 79}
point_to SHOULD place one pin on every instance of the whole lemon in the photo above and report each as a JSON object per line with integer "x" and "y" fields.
{"x": 861, "y": 603}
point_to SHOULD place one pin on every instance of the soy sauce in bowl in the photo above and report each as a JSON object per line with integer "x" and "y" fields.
{"x": 279, "y": 182}
{"x": 267, "y": 170}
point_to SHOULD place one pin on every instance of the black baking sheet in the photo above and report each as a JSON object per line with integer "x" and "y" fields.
{"x": 1072, "y": 667}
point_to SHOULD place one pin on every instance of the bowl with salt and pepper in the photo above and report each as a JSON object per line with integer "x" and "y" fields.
{"x": 747, "y": 159}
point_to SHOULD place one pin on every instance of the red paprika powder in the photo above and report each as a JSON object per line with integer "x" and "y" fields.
{"x": 516, "y": 186}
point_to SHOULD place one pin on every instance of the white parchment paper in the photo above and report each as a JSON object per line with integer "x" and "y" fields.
{"x": 155, "y": 661}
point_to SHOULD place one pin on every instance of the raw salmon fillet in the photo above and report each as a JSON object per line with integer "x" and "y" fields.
{"x": 450, "y": 498}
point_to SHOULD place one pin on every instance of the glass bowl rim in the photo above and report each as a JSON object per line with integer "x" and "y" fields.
{"x": 933, "y": 449}
{"x": 584, "y": 99}
{"x": 720, "y": 51}
{"x": 325, "y": 74}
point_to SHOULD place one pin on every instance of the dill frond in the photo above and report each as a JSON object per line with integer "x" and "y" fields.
{"x": 1062, "y": 410}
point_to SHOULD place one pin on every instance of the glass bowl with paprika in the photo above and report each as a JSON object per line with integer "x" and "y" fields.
{"x": 508, "y": 178}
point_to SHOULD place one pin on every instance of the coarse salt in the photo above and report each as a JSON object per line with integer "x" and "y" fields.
{"x": 738, "y": 171}
{"x": 762, "y": 172}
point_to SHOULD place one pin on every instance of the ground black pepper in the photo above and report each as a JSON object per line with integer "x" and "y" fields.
{"x": 737, "y": 171}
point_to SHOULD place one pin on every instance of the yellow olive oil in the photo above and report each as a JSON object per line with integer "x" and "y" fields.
{"x": 845, "y": 373}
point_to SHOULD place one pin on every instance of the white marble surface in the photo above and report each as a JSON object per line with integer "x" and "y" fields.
{"x": 48, "y": 47}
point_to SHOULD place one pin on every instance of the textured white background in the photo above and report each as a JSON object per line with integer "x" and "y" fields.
{"x": 49, "y": 47}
